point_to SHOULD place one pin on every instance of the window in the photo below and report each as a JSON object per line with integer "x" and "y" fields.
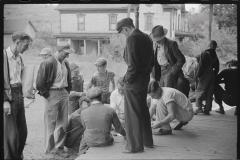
{"x": 81, "y": 22}
{"x": 112, "y": 21}
{"x": 148, "y": 21}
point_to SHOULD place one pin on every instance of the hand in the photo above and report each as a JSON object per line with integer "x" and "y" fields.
{"x": 7, "y": 107}
{"x": 155, "y": 125}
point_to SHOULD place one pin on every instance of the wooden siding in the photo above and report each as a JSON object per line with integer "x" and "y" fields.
{"x": 30, "y": 31}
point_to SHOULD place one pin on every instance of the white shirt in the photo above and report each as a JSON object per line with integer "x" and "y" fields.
{"x": 15, "y": 66}
{"x": 117, "y": 102}
{"x": 161, "y": 57}
{"x": 61, "y": 77}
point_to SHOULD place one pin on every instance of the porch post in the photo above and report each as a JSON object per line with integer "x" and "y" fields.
{"x": 98, "y": 47}
{"x": 85, "y": 47}
{"x": 136, "y": 16}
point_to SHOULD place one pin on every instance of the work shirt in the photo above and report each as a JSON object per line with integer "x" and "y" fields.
{"x": 161, "y": 57}
{"x": 117, "y": 102}
{"x": 15, "y": 66}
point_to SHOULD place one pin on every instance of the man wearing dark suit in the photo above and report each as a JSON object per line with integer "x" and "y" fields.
{"x": 138, "y": 55}
{"x": 168, "y": 61}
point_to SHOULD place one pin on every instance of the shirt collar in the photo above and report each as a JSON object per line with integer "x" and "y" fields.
{"x": 118, "y": 94}
{"x": 96, "y": 102}
{"x": 10, "y": 54}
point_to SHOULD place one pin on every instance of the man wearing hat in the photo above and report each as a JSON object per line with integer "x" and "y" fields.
{"x": 228, "y": 95}
{"x": 45, "y": 53}
{"x": 97, "y": 121}
{"x": 168, "y": 60}
{"x": 138, "y": 55}
{"x": 15, "y": 127}
{"x": 102, "y": 79}
{"x": 54, "y": 84}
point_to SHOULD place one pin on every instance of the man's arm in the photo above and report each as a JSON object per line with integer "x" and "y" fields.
{"x": 169, "y": 118}
{"x": 204, "y": 62}
{"x": 152, "y": 109}
{"x": 117, "y": 124}
{"x": 180, "y": 59}
{"x": 41, "y": 81}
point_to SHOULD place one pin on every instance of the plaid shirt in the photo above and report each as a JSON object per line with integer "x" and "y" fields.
{"x": 103, "y": 84}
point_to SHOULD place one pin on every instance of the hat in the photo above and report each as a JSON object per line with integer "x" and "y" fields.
{"x": 100, "y": 61}
{"x": 45, "y": 51}
{"x": 122, "y": 23}
{"x": 233, "y": 63}
{"x": 74, "y": 67}
{"x": 20, "y": 35}
{"x": 65, "y": 47}
{"x": 94, "y": 92}
{"x": 158, "y": 33}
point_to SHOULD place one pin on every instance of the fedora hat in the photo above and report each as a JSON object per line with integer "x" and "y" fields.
{"x": 158, "y": 33}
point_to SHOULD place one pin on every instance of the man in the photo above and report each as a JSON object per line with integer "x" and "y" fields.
{"x": 15, "y": 127}
{"x": 54, "y": 84}
{"x": 228, "y": 95}
{"x": 168, "y": 61}
{"x": 138, "y": 55}
{"x": 45, "y": 53}
{"x": 117, "y": 100}
{"x": 97, "y": 121}
{"x": 102, "y": 79}
{"x": 207, "y": 71}
{"x": 168, "y": 104}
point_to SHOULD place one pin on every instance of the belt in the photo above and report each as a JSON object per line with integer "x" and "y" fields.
{"x": 56, "y": 88}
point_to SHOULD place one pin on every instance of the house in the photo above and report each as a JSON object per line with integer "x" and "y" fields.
{"x": 13, "y": 25}
{"x": 87, "y": 26}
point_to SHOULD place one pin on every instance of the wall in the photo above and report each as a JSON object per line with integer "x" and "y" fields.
{"x": 30, "y": 31}
{"x": 7, "y": 40}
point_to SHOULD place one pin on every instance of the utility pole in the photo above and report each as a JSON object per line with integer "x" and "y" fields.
{"x": 210, "y": 20}
{"x": 129, "y": 10}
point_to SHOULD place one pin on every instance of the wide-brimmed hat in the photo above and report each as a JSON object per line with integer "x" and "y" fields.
{"x": 100, "y": 61}
{"x": 122, "y": 23}
{"x": 158, "y": 33}
{"x": 46, "y": 51}
{"x": 74, "y": 67}
{"x": 94, "y": 92}
{"x": 65, "y": 47}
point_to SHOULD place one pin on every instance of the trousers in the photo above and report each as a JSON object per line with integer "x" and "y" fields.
{"x": 221, "y": 95}
{"x": 15, "y": 127}
{"x": 55, "y": 119}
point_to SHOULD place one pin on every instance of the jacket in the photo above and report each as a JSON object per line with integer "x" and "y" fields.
{"x": 46, "y": 76}
{"x": 174, "y": 57}
{"x": 138, "y": 55}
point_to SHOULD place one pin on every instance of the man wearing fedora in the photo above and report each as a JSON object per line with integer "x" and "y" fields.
{"x": 138, "y": 55}
{"x": 54, "y": 84}
{"x": 168, "y": 60}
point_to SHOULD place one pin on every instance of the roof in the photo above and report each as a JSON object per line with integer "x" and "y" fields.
{"x": 90, "y": 6}
{"x": 13, "y": 25}
{"x": 184, "y": 34}
{"x": 175, "y": 6}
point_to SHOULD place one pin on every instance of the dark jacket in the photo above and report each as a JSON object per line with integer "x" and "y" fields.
{"x": 174, "y": 57}
{"x": 46, "y": 76}
{"x": 138, "y": 55}
{"x": 205, "y": 59}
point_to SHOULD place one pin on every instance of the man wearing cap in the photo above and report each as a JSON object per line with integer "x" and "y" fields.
{"x": 207, "y": 72}
{"x": 168, "y": 60}
{"x": 45, "y": 53}
{"x": 228, "y": 95}
{"x": 138, "y": 55}
{"x": 102, "y": 79}
{"x": 97, "y": 121}
{"x": 15, "y": 127}
{"x": 54, "y": 84}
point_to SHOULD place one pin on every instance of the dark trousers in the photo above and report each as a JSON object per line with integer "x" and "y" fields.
{"x": 184, "y": 86}
{"x": 15, "y": 127}
{"x": 73, "y": 139}
{"x": 137, "y": 117}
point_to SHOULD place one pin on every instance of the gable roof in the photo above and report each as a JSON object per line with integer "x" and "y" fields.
{"x": 13, "y": 25}
{"x": 90, "y": 6}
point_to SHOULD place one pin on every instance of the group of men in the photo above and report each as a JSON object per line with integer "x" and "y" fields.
{"x": 154, "y": 71}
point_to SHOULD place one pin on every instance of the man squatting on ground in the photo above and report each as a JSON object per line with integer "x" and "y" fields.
{"x": 14, "y": 120}
{"x": 168, "y": 104}
{"x": 54, "y": 84}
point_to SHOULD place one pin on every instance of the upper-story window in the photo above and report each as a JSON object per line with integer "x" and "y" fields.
{"x": 81, "y": 22}
{"x": 148, "y": 21}
{"x": 112, "y": 21}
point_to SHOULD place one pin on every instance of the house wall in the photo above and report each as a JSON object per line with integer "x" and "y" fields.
{"x": 94, "y": 22}
{"x": 7, "y": 40}
{"x": 30, "y": 31}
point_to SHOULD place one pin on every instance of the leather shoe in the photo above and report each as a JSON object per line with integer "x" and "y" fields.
{"x": 198, "y": 111}
{"x": 221, "y": 111}
{"x": 180, "y": 125}
{"x": 206, "y": 112}
{"x": 162, "y": 132}
{"x": 127, "y": 151}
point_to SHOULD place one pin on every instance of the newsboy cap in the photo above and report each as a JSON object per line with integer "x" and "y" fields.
{"x": 122, "y": 23}
{"x": 74, "y": 67}
{"x": 65, "y": 47}
{"x": 45, "y": 51}
{"x": 100, "y": 61}
{"x": 94, "y": 92}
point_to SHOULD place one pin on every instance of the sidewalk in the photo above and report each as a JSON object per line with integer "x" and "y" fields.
{"x": 205, "y": 137}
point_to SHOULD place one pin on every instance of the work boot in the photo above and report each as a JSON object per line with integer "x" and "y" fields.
{"x": 221, "y": 111}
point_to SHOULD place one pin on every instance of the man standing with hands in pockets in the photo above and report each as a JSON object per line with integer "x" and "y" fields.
{"x": 138, "y": 55}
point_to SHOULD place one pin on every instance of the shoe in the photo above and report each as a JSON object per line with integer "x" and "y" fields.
{"x": 162, "y": 132}
{"x": 206, "y": 112}
{"x": 198, "y": 111}
{"x": 221, "y": 111}
{"x": 180, "y": 125}
{"x": 151, "y": 146}
{"x": 62, "y": 153}
{"x": 127, "y": 151}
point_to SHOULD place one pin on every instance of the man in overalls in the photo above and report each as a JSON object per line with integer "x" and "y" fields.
{"x": 207, "y": 71}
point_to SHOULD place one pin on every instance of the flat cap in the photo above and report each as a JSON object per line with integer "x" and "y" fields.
{"x": 100, "y": 61}
{"x": 20, "y": 35}
{"x": 94, "y": 92}
{"x": 46, "y": 51}
{"x": 74, "y": 67}
{"x": 122, "y": 23}
{"x": 65, "y": 47}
